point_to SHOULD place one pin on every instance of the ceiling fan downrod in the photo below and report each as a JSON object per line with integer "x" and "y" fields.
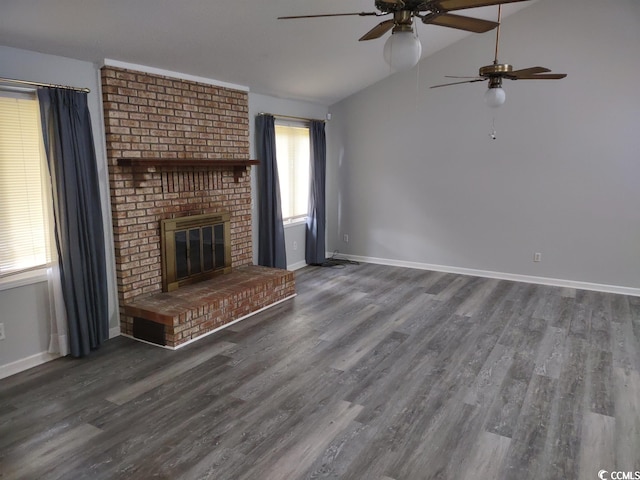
{"x": 495, "y": 57}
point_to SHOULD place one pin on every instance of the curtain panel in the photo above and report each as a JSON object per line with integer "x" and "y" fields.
{"x": 79, "y": 233}
{"x": 316, "y": 219}
{"x": 271, "y": 244}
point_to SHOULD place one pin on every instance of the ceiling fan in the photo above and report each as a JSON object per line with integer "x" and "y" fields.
{"x": 495, "y": 72}
{"x": 405, "y": 46}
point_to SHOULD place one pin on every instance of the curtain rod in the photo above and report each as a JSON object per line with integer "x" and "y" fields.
{"x": 291, "y": 117}
{"x": 38, "y": 84}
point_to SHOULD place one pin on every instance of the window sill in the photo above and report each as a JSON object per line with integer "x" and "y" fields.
{"x": 295, "y": 223}
{"x": 24, "y": 278}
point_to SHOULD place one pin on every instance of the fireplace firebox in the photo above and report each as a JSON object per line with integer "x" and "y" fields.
{"x": 194, "y": 248}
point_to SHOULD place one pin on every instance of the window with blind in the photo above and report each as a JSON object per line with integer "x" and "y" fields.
{"x": 24, "y": 237}
{"x": 293, "y": 153}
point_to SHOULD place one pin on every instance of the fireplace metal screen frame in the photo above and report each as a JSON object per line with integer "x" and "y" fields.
{"x": 168, "y": 228}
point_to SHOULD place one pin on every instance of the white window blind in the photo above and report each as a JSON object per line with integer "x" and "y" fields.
{"x": 24, "y": 238}
{"x": 293, "y": 153}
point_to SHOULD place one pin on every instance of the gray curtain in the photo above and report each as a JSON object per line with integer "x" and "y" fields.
{"x": 271, "y": 246}
{"x": 79, "y": 234}
{"x": 316, "y": 220}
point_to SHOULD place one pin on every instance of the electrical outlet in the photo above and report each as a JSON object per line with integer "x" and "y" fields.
{"x": 345, "y": 238}
{"x": 295, "y": 245}
{"x": 537, "y": 257}
{"x": 2, "y": 337}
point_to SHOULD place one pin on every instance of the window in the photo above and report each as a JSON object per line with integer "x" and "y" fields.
{"x": 293, "y": 152}
{"x": 24, "y": 237}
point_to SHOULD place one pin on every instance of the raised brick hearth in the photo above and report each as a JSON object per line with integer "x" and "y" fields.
{"x": 199, "y": 135}
{"x": 194, "y": 310}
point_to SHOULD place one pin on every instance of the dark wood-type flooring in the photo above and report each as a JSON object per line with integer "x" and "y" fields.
{"x": 371, "y": 372}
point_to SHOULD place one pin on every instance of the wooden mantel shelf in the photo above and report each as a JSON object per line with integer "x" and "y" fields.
{"x": 238, "y": 166}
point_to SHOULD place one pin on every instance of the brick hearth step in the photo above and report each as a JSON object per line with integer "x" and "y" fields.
{"x": 174, "y": 318}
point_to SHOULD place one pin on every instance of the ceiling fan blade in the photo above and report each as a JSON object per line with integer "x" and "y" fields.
{"x": 360, "y": 14}
{"x": 449, "y": 5}
{"x": 458, "y": 83}
{"x": 476, "y": 25}
{"x": 542, "y": 76}
{"x": 456, "y": 76}
{"x": 528, "y": 71}
{"x": 378, "y": 30}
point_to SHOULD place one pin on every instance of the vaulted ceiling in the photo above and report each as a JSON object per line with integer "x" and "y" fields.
{"x": 241, "y": 42}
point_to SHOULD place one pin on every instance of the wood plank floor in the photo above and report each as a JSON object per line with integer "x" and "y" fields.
{"x": 371, "y": 372}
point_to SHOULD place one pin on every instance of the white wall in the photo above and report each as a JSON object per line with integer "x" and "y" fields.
{"x": 278, "y": 106}
{"x": 415, "y": 177}
{"x": 18, "y": 315}
{"x": 24, "y": 312}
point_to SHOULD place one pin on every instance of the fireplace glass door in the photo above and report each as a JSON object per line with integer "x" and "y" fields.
{"x": 194, "y": 248}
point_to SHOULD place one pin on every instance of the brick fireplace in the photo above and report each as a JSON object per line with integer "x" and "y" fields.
{"x": 180, "y": 148}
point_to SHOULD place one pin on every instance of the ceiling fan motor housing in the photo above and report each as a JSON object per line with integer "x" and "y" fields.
{"x": 495, "y": 70}
{"x": 390, "y": 6}
{"x": 495, "y": 73}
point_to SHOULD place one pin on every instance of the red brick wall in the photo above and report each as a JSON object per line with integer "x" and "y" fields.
{"x": 151, "y": 116}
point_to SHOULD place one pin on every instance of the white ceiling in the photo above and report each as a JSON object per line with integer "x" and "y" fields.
{"x": 241, "y": 42}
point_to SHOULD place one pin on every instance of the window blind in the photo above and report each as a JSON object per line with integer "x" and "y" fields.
{"x": 293, "y": 155}
{"x": 24, "y": 238}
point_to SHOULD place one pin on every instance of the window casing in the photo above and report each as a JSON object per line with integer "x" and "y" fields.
{"x": 24, "y": 232}
{"x": 293, "y": 153}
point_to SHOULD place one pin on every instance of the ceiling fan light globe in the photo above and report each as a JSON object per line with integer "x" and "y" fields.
{"x": 402, "y": 50}
{"x": 494, "y": 97}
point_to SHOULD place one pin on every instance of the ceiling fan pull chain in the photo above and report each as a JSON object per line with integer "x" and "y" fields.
{"x": 494, "y": 134}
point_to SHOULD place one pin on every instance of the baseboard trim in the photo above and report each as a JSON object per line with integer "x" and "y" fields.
{"x": 215, "y": 329}
{"x": 114, "y": 332}
{"x": 297, "y": 265}
{"x": 554, "y": 282}
{"x": 26, "y": 363}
